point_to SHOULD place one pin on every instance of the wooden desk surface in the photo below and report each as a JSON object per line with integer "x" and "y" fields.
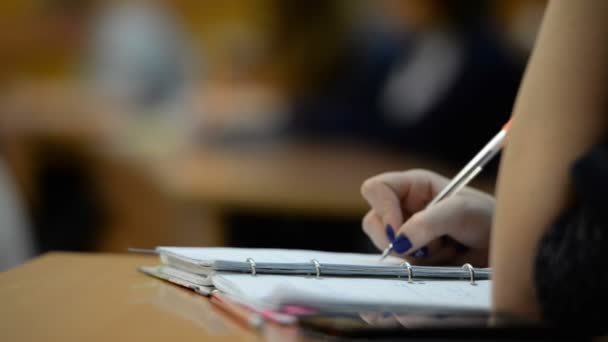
{"x": 294, "y": 177}
{"x": 101, "y": 297}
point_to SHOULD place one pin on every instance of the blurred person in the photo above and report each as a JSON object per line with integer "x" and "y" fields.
{"x": 428, "y": 76}
{"x": 141, "y": 65}
{"x": 337, "y": 77}
{"x": 139, "y": 56}
{"x": 545, "y": 235}
{"x": 17, "y": 243}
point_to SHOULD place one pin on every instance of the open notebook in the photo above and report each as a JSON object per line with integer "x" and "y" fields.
{"x": 328, "y": 281}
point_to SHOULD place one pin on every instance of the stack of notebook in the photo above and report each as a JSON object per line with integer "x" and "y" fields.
{"x": 331, "y": 282}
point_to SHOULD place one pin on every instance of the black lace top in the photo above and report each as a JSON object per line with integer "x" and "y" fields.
{"x": 571, "y": 269}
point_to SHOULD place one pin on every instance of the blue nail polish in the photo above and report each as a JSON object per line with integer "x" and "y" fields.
{"x": 401, "y": 244}
{"x": 421, "y": 253}
{"x": 390, "y": 233}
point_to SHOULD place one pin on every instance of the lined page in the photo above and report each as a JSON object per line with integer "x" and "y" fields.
{"x": 352, "y": 292}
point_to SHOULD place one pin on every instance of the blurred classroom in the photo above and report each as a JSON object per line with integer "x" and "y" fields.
{"x": 238, "y": 123}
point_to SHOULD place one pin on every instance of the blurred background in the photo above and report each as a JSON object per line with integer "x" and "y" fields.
{"x": 238, "y": 123}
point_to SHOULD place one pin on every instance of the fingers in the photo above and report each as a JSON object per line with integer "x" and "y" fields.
{"x": 435, "y": 252}
{"x": 445, "y": 218}
{"x": 381, "y": 192}
{"x": 423, "y": 186}
{"x": 396, "y": 197}
{"x": 414, "y": 256}
{"x": 374, "y": 228}
{"x": 393, "y": 193}
{"x": 476, "y": 257}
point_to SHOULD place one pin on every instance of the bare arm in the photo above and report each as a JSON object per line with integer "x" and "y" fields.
{"x": 561, "y": 110}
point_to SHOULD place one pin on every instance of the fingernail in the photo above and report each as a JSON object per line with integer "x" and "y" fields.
{"x": 421, "y": 253}
{"x": 401, "y": 244}
{"x": 390, "y": 233}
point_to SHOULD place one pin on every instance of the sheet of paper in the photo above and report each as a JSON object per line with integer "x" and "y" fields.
{"x": 180, "y": 278}
{"x": 279, "y": 256}
{"x": 444, "y": 294}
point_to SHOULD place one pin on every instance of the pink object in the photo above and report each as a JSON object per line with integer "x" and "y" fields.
{"x": 297, "y": 310}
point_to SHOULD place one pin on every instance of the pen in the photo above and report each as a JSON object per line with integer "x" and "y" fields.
{"x": 237, "y": 311}
{"x": 466, "y": 175}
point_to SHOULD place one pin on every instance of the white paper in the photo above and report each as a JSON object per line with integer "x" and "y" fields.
{"x": 260, "y": 255}
{"x": 354, "y": 292}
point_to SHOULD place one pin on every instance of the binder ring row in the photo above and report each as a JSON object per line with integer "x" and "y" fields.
{"x": 410, "y": 272}
{"x": 471, "y": 270}
{"x": 317, "y": 265}
{"x": 252, "y": 265}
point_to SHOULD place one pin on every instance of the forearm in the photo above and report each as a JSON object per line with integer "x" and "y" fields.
{"x": 559, "y": 113}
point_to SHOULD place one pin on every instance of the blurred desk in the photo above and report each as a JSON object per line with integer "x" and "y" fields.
{"x": 301, "y": 178}
{"x": 257, "y": 193}
{"x": 102, "y": 297}
{"x": 159, "y": 186}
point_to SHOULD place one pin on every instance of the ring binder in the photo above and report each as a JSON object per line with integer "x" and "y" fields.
{"x": 326, "y": 281}
{"x": 317, "y": 267}
{"x": 252, "y": 264}
{"x": 410, "y": 272}
{"x": 204, "y": 261}
{"x": 471, "y": 270}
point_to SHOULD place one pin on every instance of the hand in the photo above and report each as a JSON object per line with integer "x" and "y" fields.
{"x": 453, "y": 231}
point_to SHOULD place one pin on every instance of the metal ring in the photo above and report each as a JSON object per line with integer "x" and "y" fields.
{"x": 317, "y": 267}
{"x": 252, "y": 264}
{"x": 471, "y": 270}
{"x": 410, "y": 272}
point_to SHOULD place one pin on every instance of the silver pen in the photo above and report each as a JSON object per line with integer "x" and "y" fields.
{"x": 466, "y": 175}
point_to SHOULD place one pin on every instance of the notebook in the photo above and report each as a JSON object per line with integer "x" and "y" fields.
{"x": 205, "y": 261}
{"x": 327, "y": 281}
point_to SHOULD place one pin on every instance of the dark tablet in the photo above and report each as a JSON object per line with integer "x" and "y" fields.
{"x": 429, "y": 327}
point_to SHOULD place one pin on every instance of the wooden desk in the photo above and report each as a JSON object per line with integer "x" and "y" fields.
{"x": 301, "y": 178}
{"x": 102, "y": 297}
{"x": 158, "y": 191}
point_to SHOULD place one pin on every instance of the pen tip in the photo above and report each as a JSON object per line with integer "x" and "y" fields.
{"x": 386, "y": 252}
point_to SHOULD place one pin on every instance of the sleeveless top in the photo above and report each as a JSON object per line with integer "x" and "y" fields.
{"x": 571, "y": 265}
